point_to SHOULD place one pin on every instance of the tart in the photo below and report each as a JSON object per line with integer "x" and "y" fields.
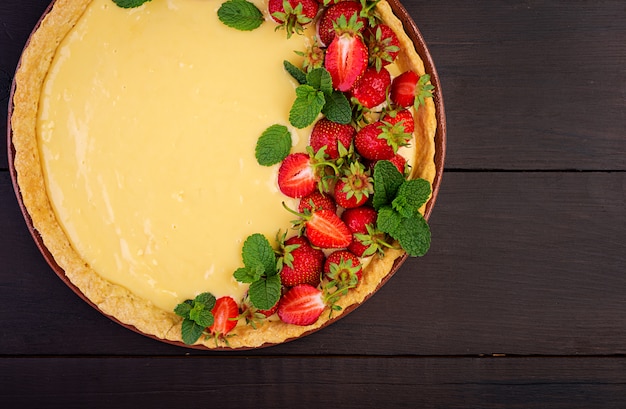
{"x": 134, "y": 134}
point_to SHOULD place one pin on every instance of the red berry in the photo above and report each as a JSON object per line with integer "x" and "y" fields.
{"x": 378, "y": 140}
{"x": 371, "y": 89}
{"x": 406, "y": 117}
{"x": 316, "y": 201}
{"x": 383, "y": 45}
{"x": 301, "y": 305}
{"x": 354, "y": 188}
{"x": 403, "y": 89}
{"x": 328, "y": 133}
{"x": 302, "y": 264}
{"x": 346, "y": 60}
{"x": 325, "y": 230}
{"x": 361, "y": 221}
{"x": 225, "y": 313}
{"x": 296, "y": 175}
{"x": 344, "y": 267}
{"x": 293, "y": 14}
{"x": 326, "y": 29}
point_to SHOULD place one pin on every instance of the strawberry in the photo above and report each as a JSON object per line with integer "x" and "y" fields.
{"x": 403, "y": 89}
{"x": 346, "y": 56}
{"x": 316, "y": 201}
{"x": 293, "y": 15}
{"x": 366, "y": 238}
{"x": 296, "y": 175}
{"x": 325, "y": 229}
{"x": 344, "y": 268}
{"x": 405, "y": 116}
{"x": 330, "y": 134}
{"x": 354, "y": 188}
{"x": 225, "y": 313}
{"x": 380, "y": 140}
{"x": 383, "y": 45}
{"x": 330, "y": 17}
{"x": 253, "y": 316}
{"x": 302, "y": 264}
{"x": 400, "y": 162}
{"x": 371, "y": 89}
{"x": 301, "y": 305}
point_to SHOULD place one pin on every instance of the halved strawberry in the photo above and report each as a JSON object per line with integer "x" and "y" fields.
{"x": 293, "y": 14}
{"x": 328, "y": 133}
{"x": 380, "y": 140}
{"x": 371, "y": 89}
{"x": 316, "y": 201}
{"x": 343, "y": 267}
{"x": 383, "y": 45}
{"x": 302, "y": 264}
{"x": 225, "y": 313}
{"x": 296, "y": 175}
{"x": 329, "y": 19}
{"x": 354, "y": 188}
{"x": 325, "y": 230}
{"x": 403, "y": 89}
{"x": 346, "y": 57}
{"x": 301, "y": 305}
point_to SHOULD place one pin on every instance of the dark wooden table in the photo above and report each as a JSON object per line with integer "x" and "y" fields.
{"x": 520, "y": 303}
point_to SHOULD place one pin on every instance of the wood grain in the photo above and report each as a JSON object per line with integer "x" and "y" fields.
{"x": 377, "y": 382}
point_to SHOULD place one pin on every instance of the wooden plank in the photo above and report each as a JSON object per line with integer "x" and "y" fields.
{"x": 521, "y": 263}
{"x": 527, "y": 85}
{"x": 273, "y": 382}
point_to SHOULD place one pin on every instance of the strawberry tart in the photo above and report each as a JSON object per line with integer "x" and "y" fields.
{"x": 225, "y": 174}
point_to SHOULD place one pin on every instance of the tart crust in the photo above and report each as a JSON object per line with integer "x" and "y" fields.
{"x": 114, "y": 300}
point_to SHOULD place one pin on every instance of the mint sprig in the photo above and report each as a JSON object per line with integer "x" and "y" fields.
{"x": 315, "y": 96}
{"x": 398, "y": 202}
{"x": 260, "y": 271}
{"x": 240, "y": 14}
{"x": 129, "y": 4}
{"x": 196, "y": 315}
{"x": 273, "y": 145}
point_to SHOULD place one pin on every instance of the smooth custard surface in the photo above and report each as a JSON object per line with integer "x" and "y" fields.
{"x": 147, "y": 127}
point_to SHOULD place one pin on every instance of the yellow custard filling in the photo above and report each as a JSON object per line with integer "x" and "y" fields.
{"x": 147, "y": 125}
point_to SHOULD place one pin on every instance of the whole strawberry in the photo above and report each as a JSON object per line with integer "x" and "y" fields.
{"x": 316, "y": 201}
{"x": 367, "y": 240}
{"x": 331, "y": 134}
{"x": 293, "y": 15}
{"x": 346, "y": 56}
{"x": 301, "y": 263}
{"x": 380, "y": 140}
{"x": 403, "y": 116}
{"x": 343, "y": 267}
{"x": 330, "y": 17}
{"x": 371, "y": 89}
{"x": 354, "y": 188}
{"x": 383, "y": 45}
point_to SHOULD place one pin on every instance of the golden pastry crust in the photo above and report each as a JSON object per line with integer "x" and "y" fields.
{"x": 114, "y": 300}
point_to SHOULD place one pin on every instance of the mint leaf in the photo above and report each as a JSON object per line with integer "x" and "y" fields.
{"x": 129, "y": 4}
{"x": 206, "y": 299}
{"x": 201, "y": 316}
{"x": 240, "y": 14}
{"x": 320, "y": 79}
{"x": 387, "y": 181}
{"x": 183, "y": 309}
{"x": 264, "y": 293}
{"x": 414, "y": 235}
{"x": 191, "y": 331}
{"x": 411, "y": 195}
{"x": 295, "y": 72}
{"x": 246, "y": 275}
{"x": 389, "y": 221}
{"x": 273, "y": 145}
{"x": 337, "y": 108}
{"x": 307, "y": 106}
{"x": 258, "y": 254}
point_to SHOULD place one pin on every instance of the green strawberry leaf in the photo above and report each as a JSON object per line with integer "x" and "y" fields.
{"x": 411, "y": 195}
{"x": 337, "y": 108}
{"x": 273, "y": 145}
{"x": 307, "y": 106}
{"x": 240, "y": 14}
{"x": 423, "y": 90}
{"x": 295, "y": 72}
{"x": 191, "y": 331}
{"x": 264, "y": 293}
{"x": 259, "y": 255}
{"x": 387, "y": 181}
{"x": 129, "y": 4}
